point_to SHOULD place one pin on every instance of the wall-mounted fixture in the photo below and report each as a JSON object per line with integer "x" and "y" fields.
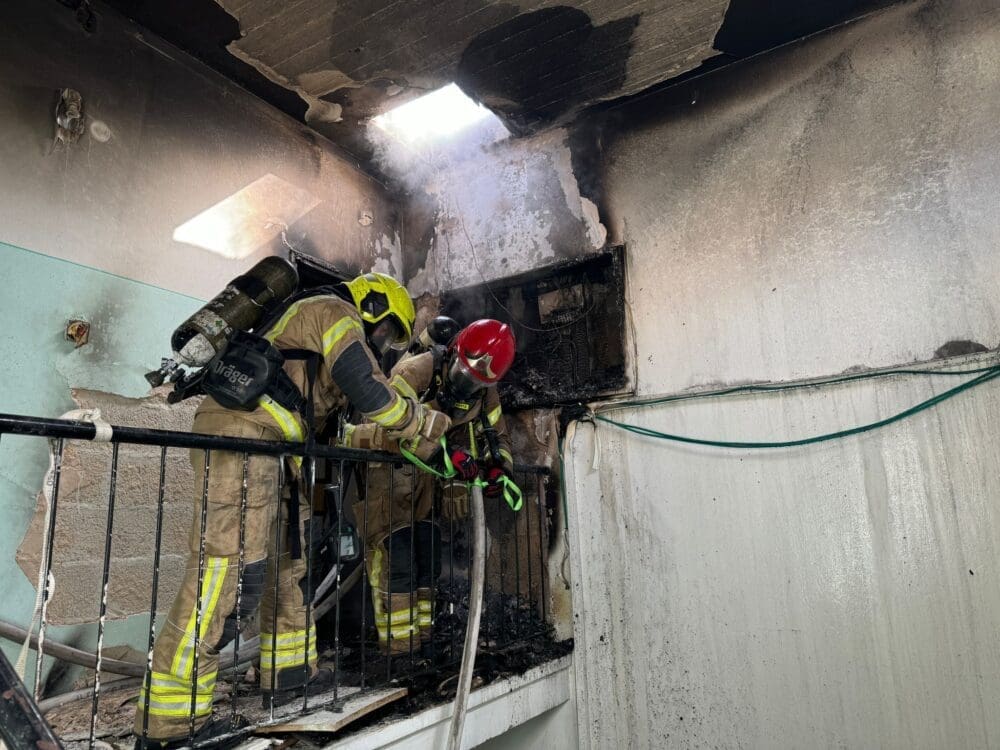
{"x": 69, "y": 116}
{"x": 78, "y": 331}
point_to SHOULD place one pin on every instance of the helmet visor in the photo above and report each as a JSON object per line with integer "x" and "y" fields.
{"x": 463, "y": 382}
{"x": 387, "y": 334}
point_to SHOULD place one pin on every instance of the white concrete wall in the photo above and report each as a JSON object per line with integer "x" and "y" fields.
{"x": 829, "y": 207}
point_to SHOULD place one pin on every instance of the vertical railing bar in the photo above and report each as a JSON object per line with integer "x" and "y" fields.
{"x": 336, "y": 614}
{"x": 411, "y": 596}
{"x": 434, "y": 553}
{"x": 388, "y": 577}
{"x": 517, "y": 579}
{"x": 240, "y": 569}
{"x": 308, "y": 490}
{"x": 50, "y": 535}
{"x": 148, "y": 677}
{"x": 527, "y": 547}
{"x": 497, "y": 630}
{"x": 451, "y": 583}
{"x": 199, "y": 603}
{"x": 276, "y": 567}
{"x": 109, "y": 529}
{"x": 542, "y": 570}
{"x": 365, "y": 596}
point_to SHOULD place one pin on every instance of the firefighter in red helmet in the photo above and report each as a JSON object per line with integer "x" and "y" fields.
{"x": 402, "y": 562}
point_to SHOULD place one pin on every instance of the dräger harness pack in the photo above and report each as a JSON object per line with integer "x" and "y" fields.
{"x": 249, "y": 367}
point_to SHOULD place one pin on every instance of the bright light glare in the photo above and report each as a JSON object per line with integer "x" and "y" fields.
{"x": 241, "y": 224}
{"x": 440, "y": 114}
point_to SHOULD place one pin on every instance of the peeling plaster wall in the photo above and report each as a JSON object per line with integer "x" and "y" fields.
{"x": 511, "y": 208}
{"x": 87, "y": 231}
{"x": 833, "y": 206}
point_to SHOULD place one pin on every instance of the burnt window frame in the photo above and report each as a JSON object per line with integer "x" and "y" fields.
{"x": 518, "y": 301}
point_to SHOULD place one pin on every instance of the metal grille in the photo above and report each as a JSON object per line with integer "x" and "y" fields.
{"x": 515, "y": 615}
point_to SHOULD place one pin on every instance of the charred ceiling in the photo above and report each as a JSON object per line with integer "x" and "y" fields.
{"x": 336, "y": 64}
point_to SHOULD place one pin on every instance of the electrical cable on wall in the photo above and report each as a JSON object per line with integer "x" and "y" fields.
{"x": 983, "y": 375}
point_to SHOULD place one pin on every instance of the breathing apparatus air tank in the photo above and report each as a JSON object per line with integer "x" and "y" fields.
{"x": 440, "y": 331}
{"x": 240, "y": 306}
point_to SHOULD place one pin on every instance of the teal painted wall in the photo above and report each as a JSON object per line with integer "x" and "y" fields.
{"x": 131, "y": 324}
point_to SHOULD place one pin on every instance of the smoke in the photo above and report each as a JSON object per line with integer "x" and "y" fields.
{"x": 416, "y": 162}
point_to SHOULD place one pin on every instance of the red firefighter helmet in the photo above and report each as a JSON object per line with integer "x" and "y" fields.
{"x": 482, "y": 352}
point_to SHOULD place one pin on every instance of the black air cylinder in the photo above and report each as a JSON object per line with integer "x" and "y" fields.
{"x": 239, "y": 306}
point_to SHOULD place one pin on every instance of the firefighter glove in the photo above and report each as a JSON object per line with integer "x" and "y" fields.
{"x": 494, "y": 477}
{"x": 465, "y": 465}
{"x": 422, "y": 436}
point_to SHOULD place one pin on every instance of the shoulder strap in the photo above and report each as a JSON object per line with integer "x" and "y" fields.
{"x": 336, "y": 290}
{"x": 438, "y": 354}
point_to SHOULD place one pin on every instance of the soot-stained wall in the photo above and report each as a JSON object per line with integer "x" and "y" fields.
{"x": 830, "y": 207}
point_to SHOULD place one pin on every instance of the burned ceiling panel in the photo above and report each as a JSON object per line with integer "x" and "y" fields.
{"x": 337, "y": 63}
{"x": 534, "y": 63}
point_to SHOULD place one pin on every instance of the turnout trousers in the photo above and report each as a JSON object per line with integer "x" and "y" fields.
{"x": 185, "y": 659}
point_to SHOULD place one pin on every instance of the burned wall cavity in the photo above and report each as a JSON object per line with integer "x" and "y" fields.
{"x": 569, "y": 322}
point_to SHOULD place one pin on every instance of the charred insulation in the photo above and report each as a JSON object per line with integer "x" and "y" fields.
{"x": 569, "y": 321}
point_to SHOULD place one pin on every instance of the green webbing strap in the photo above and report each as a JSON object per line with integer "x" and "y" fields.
{"x": 512, "y": 493}
{"x": 449, "y": 470}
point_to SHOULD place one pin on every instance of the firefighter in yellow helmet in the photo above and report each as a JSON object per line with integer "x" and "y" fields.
{"x": 343, "y": 330}
{"x": 403, "y": 562}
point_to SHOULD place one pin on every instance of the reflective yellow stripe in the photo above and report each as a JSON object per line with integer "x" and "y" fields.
{"x": 402, "y": 387}
{"x": 175, "y": 708}
{"x": 171, "y": 696}
{"x": 290, "y": 428}
{"x": 296, "y": 636}
{"x": 472, "y": 442}
{"x": 397, "y": 617}
{"x": 402, "y": 624}
{"x": 391, "y": 414}
{"x": 160, "y": 682}
{"x": 211, "y": 588}
{"x": 287, "y": 649}
{"x": 505, "y": 454}
{"x": 494, "y": 416}
{"x": 282, "y": 324}
{"x": 298, "y": 649}
{"x": 337, "y": 331}
{"x": 286, "y": 660}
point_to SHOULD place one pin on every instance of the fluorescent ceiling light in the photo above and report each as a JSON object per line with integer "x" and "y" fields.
{"x": 436, "y": 115}
{"x": 240, "y": 225}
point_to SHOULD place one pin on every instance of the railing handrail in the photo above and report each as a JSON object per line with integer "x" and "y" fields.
{"x": 18, "y": 424}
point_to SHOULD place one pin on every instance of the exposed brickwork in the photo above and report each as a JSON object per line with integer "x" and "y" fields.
{"x": 82, "y": 515}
